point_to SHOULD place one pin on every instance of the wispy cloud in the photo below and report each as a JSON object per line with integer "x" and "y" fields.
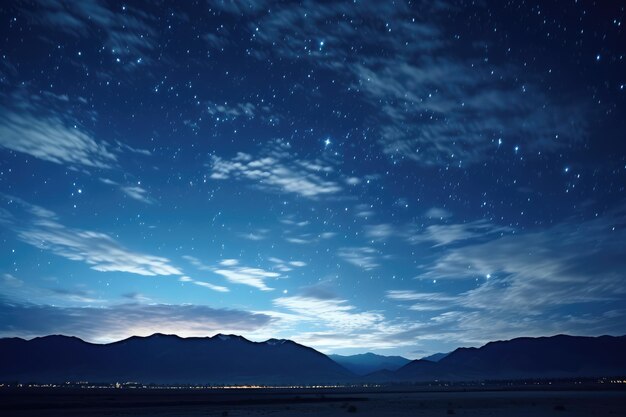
{"x": 446, "y": 234}
{"x": 210, "y": 286}
{"x": 439, "y": 234}
{"x": 224, "y": 112}
{"x": 203, "y": 284}
{"x": 99, "y": 250}
{"x": 111, "y": 323}
{"x": 135, "y": 191}
{"x": 36, "y": 126}
{"x": 379, "y": 231}
{"x": 278, "y": 170}
{"x": 527, "y": 283}
{"x": 339, "y": 313}
{"x": 256, "y": 277}
{"x": 334, "y": 323}
{"x": 429, "y": 102}
{"x": 285, "y": 266}
{"x": 564, "y": 264}
{"x": 438, "y": 213}
{"x": 424, "y": 301}
{"x": 364, "y": 257}
{"x": 127, "y": 32}
{"x": 43, "y": 230}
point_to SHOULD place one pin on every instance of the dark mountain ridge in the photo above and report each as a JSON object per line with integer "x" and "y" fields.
{"x": 230, "y": 359}
{"x": 365, "y": 363}
{"x": 166, "y": 359}
{"x": 560, "y": 356}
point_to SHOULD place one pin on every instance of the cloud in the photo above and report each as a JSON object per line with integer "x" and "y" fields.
{"x": 364, "y": 257}
{"x": 438, "y": 213}
{"x": 562, "y": 279}
{"x": 364, "y": 210}
{"x": 254, "y": 277}
{"x": 337, "y": 312}
{"x": 439, "y": 234}
{"x": 99, "y": 250}
{"x": 277, "y": 170}
{"x": 106, "y": 324}
{"x": 565, "y": 264}
{"x": 256, "y": 235}
{"x": 126, "y": 32}
{"x": 446, "y": 234}
{"x": 136, "y": 192}
{"x": 379, "y": 231}
{"x": 234, "y": 272}
{"x": 38, "y": 127}
{"x": 334, "y": 323}
{"x": 225, "y": 112}
{"x": 10, "y": 280}
{"x": 210, "y": 286}
{"x": 424, "y": 301}
{"x": 204, "y": 284}
{"x": 429, "y": 102}
{"x": 285, "y": 266}
{"x": 241, "y": 7}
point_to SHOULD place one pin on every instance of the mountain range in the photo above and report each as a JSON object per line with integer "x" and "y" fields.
{"x": 366, "y": 363}
{"x": 221, "y": 359}
{"x": 560, "y": 356}
{"x": 229, "y": 359}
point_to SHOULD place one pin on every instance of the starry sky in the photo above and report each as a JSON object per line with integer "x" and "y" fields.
{"x": 402, "y": 177}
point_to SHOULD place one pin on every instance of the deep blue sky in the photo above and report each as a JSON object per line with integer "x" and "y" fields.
{"x": 398, "y": 177}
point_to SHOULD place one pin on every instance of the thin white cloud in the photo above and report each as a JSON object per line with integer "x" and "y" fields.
{"x": 446, "y": 234}
{"x": 99, "y": 250}
{"x": 204, "y": 284}
{"x": 42, "y": 229}
{"x": 424, "y": 301}
{"x": 438, "y": 213}
{"x": 339, "y": 313}
{"x": 135, "y": 191}
{"x": 224, "y": 112}
{"x": 210, "y": 286}
{"x": 429, "y": 103}
{"x": 364, "y": 257}
{"x": 49, "y": 136}
{"x": 115, "y": 322}
{"x": 334, "y": 323}
{"x": 254, "y": 277}
{"x": 234, "y": 272}
{"x": 379, "y": 231}
{"x": 128, "y": 36}
{"x": 278, "y": 170}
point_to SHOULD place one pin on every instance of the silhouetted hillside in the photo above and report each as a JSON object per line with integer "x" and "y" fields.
{"x": 166, "y": 359}
{"x": 366, "y": 363}
{"x": 555, "y": 357}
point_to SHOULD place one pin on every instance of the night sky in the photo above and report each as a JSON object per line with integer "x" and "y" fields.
{"x": 388, "y": 176}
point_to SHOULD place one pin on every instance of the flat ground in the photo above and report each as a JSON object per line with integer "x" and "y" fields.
{"x": 342, "y": 402}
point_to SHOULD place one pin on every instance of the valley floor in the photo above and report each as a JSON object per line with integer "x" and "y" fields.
{"x": 278, "y": 403}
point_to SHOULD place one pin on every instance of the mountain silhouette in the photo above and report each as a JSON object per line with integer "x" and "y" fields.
{"x": 436, "y": 357}
{"x": 366, "y": 363}
{"x": 558, "y": 356}
{"x": 166, "y": 359}
{"x": 229, "y": 359}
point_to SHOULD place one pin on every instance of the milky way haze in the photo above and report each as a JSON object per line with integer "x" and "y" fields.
{"x": 397, "y": 177}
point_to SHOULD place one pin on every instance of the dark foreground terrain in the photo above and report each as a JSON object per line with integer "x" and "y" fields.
{"x": 336, "y": 402}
